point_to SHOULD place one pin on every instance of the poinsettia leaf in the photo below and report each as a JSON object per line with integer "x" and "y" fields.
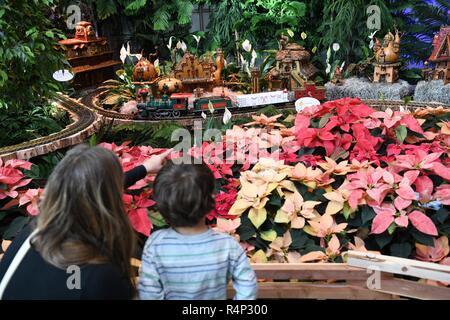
{"x": 246, "y": 230}
{"x": 299, "y": 239}
{"x": 402, "y": 250}
{"x": 421, "y": 237}
{"x": 381, "y": 222}
{"x": 422, "y": 223}
{"x": 440, "y": 216}
{"x": 268, "y": 235}
{"x": 259, "y": 257}
{"x": 383, "y": 239}
{"x": 401, "y": 133}
{"x": 367, "y": 214}
{"x": 15, "y": 227}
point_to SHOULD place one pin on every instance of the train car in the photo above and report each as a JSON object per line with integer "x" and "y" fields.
{"x": 166, "y": 107}
{"x": 263, "y": 99}
{"x": 218, "y": 103}
{"x": 312, "y": 91}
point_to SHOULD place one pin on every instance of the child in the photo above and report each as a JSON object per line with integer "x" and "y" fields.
{"x": 189, "y": 260}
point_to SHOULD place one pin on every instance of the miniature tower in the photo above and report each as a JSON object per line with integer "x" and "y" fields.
{"x": 387, "y": 63}
{"x": 255, "y": 80}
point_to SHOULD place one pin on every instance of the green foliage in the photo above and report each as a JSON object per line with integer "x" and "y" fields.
{"x": 155, "y": 135}
{"x": 27, "y": 62}
{"x": 151, "y": 20}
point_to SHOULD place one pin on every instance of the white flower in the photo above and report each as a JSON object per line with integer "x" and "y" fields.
{"x": 197, "y": 38}
{"x": 156, "y": 63}
{"x": 246, "y": 45}
{"x": 254, "y": 55}
{"x": 304, "y": 35}
{"x": 203, "y": 115}
{"x": 328, "y": 70}
{"x": 183, "y": 46}
{"x": 170, "y": 42}
{"x": 290, "y": 33}
{"x": 123, "y": 54}
{"x": 336, "y": 47}
{"x": 328, "y": 54}
{"x": 226, "y": 116}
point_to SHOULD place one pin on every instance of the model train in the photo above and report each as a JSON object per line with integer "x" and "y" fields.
{"x": 179, "y": 104}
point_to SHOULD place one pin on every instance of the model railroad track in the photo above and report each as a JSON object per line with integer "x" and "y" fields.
{"x": 84, "y": 123}
{"x": 92, "y": 101}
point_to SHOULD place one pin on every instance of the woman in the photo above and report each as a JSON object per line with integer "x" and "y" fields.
{"x": 81, "y": 243}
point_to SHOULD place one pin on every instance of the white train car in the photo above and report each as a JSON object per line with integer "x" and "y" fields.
{"x": 264, "y": 98}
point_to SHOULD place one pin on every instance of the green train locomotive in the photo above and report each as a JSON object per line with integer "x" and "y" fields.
{"x": 179, "y": 104}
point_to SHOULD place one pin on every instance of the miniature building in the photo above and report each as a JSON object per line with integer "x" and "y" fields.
{"x": 195, "y": 73}
{"x": 387, "y": 56}
{"x": 440, "y": 57}
{"x": 255, "y": 80}
{"x": 293, "y": 67}
{"x": 89, "y": 56}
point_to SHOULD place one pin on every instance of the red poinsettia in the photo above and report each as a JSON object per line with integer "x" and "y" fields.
{"x": 136, "y": 208}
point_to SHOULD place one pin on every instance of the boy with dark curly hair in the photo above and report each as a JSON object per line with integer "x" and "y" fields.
{"x": 189, "y": 260}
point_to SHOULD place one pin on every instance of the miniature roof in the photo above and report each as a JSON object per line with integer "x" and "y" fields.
{"x": 441, "y": 46}
{"x": 293, "y": 51}
{"x": 181, "y": 96}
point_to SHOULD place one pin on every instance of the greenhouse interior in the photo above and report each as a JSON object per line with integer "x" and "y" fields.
{"x": 301, "y": 149}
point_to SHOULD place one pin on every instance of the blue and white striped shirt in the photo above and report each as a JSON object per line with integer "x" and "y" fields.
{"x": 197, "y": 267}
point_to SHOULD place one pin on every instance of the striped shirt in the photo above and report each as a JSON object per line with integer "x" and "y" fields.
{"x": 194, "y": 267}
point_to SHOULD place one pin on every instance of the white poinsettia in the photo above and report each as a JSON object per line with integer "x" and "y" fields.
{"x": 336, "y": 47}
{"x": 246, "y": 45}
{"x": 226, "y": 116}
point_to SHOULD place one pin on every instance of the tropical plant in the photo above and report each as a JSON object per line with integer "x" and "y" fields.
{"x": 27, "y": 62}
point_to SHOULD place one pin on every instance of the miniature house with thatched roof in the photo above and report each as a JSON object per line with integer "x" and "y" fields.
{"x": 293, "y": 67}
{"x": 440, "y": 57}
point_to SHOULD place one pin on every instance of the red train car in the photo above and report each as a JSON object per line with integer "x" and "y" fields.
{"x": 310, "y": 90}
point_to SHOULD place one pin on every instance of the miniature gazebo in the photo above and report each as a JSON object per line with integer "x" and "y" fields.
{"x": 293, "y": 67}
{"x": 440, "y": 57}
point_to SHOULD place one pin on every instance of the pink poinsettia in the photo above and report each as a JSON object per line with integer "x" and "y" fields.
{"x": 436, "y": 253}
{"x": 12, "y": 178}
{"x": 386, "y": 214}
{"x": 31, "y": 197}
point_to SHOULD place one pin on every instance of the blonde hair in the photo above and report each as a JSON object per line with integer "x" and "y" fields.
{"x": 82, "y": 217}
